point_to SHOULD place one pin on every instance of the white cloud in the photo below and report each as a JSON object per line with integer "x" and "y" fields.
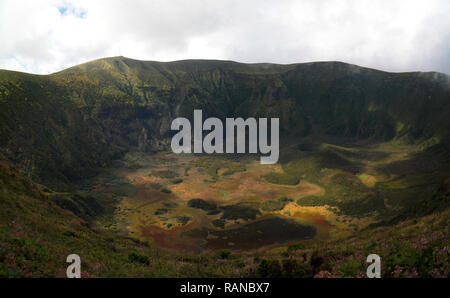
{"x": 44, "y": 36}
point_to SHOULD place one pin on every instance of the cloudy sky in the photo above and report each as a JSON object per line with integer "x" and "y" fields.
{"x": 44, "y": 36}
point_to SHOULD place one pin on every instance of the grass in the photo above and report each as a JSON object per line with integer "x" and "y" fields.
{"x": 309, "y": 201}
{"x": 275, "y": 205}
{"x": 164, "y": 174}
{"x": 281, "y": 178}
{"x": 340, "y": 195}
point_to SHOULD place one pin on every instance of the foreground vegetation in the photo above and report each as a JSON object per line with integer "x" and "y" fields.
{"x": 36, "y": 235}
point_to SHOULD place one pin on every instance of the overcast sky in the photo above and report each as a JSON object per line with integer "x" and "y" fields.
{"x": 44, "y": 36}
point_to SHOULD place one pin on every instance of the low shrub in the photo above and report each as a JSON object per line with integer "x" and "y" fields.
{"x": 202, "y": 204}
{"x": 223, "y": 253}
{"x": 281, "y": 178}
{"x": 136, "y": 257}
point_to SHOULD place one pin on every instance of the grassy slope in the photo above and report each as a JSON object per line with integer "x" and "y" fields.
{"x": 45, "y": 134}
{"x": 413, "y": 248}
{"x": 36, "y": 236}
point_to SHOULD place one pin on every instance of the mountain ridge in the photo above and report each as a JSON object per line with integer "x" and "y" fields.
{"x": 118, "y": 103}
{"x": 229, "y": 61}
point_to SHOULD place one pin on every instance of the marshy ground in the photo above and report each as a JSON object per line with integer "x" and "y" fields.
{"x": 156, "y": 197}
{"x": 319, "y": 212}
{"x": 320, "y": 192}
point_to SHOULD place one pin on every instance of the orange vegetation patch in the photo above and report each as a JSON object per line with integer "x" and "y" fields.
{"x": 169, "y": 238}
{"x": 149, "y": 195}
{"x": 240, "y": 186}
{"x": 139, "y": 178}
{"x": 318, "y": 220}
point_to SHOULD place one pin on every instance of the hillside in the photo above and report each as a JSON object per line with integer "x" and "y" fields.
{"x": 36, "y": 236}
{"x": 87, "y": 115}
{"x": 86, "y": 167}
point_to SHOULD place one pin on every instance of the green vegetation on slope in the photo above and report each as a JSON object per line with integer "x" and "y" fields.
{"x": 62, "y": 127}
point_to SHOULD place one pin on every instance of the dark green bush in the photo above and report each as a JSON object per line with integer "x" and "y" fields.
{"x": 164, "y": 174}
{"x": 288, "y": 268}
{"x": 239, "y": 211}
{"x": 183, "y": 219}
{"x": 136, "y": 257}
{"x": 275, "y": 205}
{"x": 166, "y": 190}
{"x": 281, "y": 178}
{"x": 202, "y": 204}
{"x": 310, "y": 201}
{"x": 297, "y": 246}
{"x": 220, "y": 223}
{"x": 223, "y": 253}
{"x": 293, "y": 268}
{"x": 176, "y": 181}
{"x": 161, "y": 211}
{"x": 269, "y": 269}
